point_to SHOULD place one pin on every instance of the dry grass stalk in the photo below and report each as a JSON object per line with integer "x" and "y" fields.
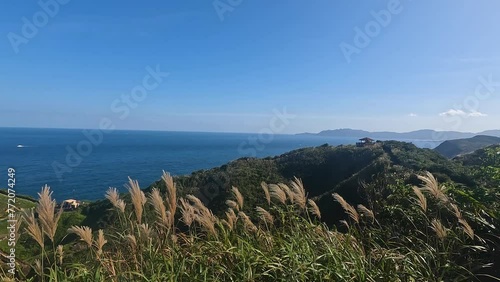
{"x": 161, "y": 212}
{"x": 197, "y": 203}
{"x": 33, "y": 228}
{"x": 466, "y": 228}
{"x": 120, "y": 205}
{"x": 314, "y": 209}
{"x": 171, "y": 192}
{"x": 421, "y": 199}
{"x": 265, "y": 215}
{"x": 350, "y": 210}
{"x": 187, "y": 212}
{"x": 344, "y": 222}
{"x": 266, "y": 192}
{"x": 233, "y": 205}
{"x": 299, "y": 192}
{"x": 138, "y": 198}
{"x": 438, "y": 227}
{"x": 238, "y": 196}
{"x": 145, "y": 231}
{"x": 432, "y": 186}
{"x": 456, "y": 211}
{"x": 364, "y": 211}
{"x": 203, "y": 215}
{"x": 288, "y": 192}
{"x": 231, "y": 218}
{"x": 131, "y": 240}
{"x": 47, "y": 215}
{"x": 38, "y": 267}
{"x": 249, "y": 226}
{"x": 84, "y": 232}
{"x": 113, "y": 196}
{"x": 277, "y": 193}
{"x": 60, "y": 254}
{"x": 100, "y": 242}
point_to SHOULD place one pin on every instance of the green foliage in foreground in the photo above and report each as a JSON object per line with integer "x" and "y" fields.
{"x": 415, "y": 234}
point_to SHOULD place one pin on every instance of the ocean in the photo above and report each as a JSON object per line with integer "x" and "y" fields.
{"x": 84, "y": 164}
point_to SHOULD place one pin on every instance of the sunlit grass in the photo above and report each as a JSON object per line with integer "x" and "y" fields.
{"x": 182, "y": 240}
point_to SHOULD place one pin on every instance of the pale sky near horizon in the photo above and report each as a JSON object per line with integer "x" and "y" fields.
{"x": 413, "y": 64}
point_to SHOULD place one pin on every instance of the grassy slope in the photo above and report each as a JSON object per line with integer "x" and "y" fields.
{"x": 21, "y": 203}
{"x": 324, "y": 169}
{"x": 453, "y": 148}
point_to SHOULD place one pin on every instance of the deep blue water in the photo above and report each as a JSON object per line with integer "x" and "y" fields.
{"x": 141, "y": 155}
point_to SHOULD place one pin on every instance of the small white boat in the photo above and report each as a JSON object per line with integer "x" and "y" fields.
{"x": 20, "y": 146}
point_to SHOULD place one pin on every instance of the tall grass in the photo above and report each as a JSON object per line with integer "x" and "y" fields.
{"x": 183, "y": 240}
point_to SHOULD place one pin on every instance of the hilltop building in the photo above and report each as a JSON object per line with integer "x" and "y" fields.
{"x": 70, "y": 204}
{"x": 365, "y": 142}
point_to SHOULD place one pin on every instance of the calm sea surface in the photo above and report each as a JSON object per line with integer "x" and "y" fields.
{"x": 141, "y": 155}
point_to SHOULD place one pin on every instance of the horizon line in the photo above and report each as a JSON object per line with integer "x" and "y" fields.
{"x": 232, "y": 132}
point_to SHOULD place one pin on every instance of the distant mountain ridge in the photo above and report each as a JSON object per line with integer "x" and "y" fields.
{"x": 454, "y": 148}
{"x": 424, "y": 134}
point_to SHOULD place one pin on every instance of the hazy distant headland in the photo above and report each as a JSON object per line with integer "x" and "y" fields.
{"x": 424, "y": 134}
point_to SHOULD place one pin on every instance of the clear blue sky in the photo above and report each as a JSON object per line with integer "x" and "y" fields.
{"x": 231, "y": 73}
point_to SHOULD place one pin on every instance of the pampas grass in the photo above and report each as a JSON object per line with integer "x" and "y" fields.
{"x": 231, "y": 218}
{"x": 456, "y": 211}
{"x": 265, "y": 215}
{"x": 60, "y": 254}
{"x": 233, "y": 205}
{"x": 238, "y": 196}
{"x": 247, "y": 222}
{"x": 314, "y": 209}
{"x": 187, "y": 212}
{"x": 265, "y": 188}
{"x": 277, "y": 193}
{"x": 299, "y": 193}
{"x": 113, "y": 196}
{"x": 421, "y": 200}
{"x": 84, "y": 232}
{"x": 431, "y": 185}
{"x": 466, "y": 228}
{"x": 367, "y": 213}
{"x": 161, "y": 212}
{"x": 100, "y": 241}
{"x": 350, "y": 210}
{"x": 47, "y": 215}
{"x": 289, "y": 193}
{"x": 203, "y": 215}
{"x": 171, "y": 193}
{"x": 138, "y": 198}
{"x": 439, "y": 228}
{"x": 33, "y": 228}
{"x": 292, "y": 247}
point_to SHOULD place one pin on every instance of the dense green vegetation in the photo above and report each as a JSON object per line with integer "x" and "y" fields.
{"x": 354, "y": 215}
{"x": 453, "y": 148}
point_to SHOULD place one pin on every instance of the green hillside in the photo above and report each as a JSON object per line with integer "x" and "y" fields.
{"x": 353, "y": 206}
{"x": 453, "y": 148}
{"x": 324, "y": 170}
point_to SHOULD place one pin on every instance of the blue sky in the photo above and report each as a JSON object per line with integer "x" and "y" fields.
{"x": 232, "y": 69}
